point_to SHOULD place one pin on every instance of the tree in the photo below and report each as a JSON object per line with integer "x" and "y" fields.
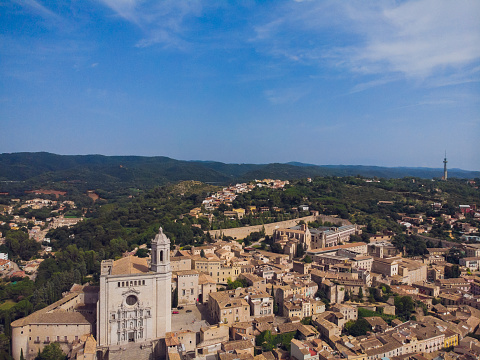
{"x": 175, "y": 298}
{"x": 413, "y": 245}
{"x": 357, "y": 328}
{"x": 423, "y": 306}
{"x": 5, "y": 346}
{"x": 300, "y": 250}
{"x": 436, "y": 301}
{"x": 265, "y": 340}
{"x": 239, "y": 283}
{"x": 51, "y": 352}
{"x": 276, "y": 248}
{"x": 306, "y": 320}
{"x": 118, "y": 246}
{"x": 365, "y": 237}
{"x": 307, "y": 259}
{"x": 20, "y": 245}
{"x": 360, "y": 294}
{"x": 275, "y": 304}
{"x": 202, "y": 253}
{"x": 142, "y": 253}
{"x": 452, "y": 272}
{"x": 374, "y": 294}
{"x": 355, "y": 238}
{"x": 404, "y": 307}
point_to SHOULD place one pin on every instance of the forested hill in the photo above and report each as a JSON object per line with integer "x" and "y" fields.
{"x": 140, "y": 171}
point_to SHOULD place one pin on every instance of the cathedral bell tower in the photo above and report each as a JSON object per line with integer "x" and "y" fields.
{"x": 160, "y": 253}
{"x": 160, "y": 266}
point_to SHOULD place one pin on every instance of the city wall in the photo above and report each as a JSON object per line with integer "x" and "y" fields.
{"x": 242, "y": 232}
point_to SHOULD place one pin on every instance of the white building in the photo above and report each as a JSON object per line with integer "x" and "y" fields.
{"x": 134, "y": 306}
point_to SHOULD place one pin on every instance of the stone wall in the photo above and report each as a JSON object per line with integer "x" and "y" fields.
{"x": 242, "y": 232}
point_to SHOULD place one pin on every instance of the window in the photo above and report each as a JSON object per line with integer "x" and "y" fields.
{"x": 131, "y": 300}
{"x": 161, "y": 256}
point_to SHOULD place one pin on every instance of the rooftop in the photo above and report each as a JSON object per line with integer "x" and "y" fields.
{"x": 130, "y": 265}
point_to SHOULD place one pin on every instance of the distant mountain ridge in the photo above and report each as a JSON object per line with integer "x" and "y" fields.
{"x": 140, "y": 171}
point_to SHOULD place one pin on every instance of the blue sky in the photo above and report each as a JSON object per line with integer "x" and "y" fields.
{"x": 388, "y": 83}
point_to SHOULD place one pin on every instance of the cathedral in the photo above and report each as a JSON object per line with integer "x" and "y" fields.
{"x": 134, "y": 303}
{"x": 132, "y": 306}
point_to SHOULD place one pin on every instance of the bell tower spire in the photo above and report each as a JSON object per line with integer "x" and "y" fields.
{"x": 160, "y": 253}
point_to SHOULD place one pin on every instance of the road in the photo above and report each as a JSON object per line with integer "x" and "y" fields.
{"x": 193, "y": 320}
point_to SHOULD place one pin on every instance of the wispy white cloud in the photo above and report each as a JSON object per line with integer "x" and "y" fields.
{"x": 49, "y": 18}
{"x": 374, "y": 83}
{"x": 285, "y": 95}
{"x": 127, "y": 9}
{"x": 36, "y": 8}
{"x": 443, "y": 98}
{"x": 420, "y": 38}
{"x": 162, "y": 22}
{"x": 415, "y": 39}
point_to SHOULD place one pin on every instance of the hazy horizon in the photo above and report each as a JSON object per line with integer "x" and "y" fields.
{"x": 251, "y": 162}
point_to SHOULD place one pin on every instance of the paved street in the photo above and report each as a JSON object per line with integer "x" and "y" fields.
{"x": 188, "y": 320}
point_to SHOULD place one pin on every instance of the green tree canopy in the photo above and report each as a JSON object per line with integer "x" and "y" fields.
{"x": 51, "y": 352}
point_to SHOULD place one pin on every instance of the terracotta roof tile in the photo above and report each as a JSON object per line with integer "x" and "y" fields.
{"x": 130, "y": 265}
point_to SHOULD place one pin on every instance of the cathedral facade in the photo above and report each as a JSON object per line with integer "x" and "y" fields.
{"x": 134, "y": 304}
{"x": 131, "y": 309}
